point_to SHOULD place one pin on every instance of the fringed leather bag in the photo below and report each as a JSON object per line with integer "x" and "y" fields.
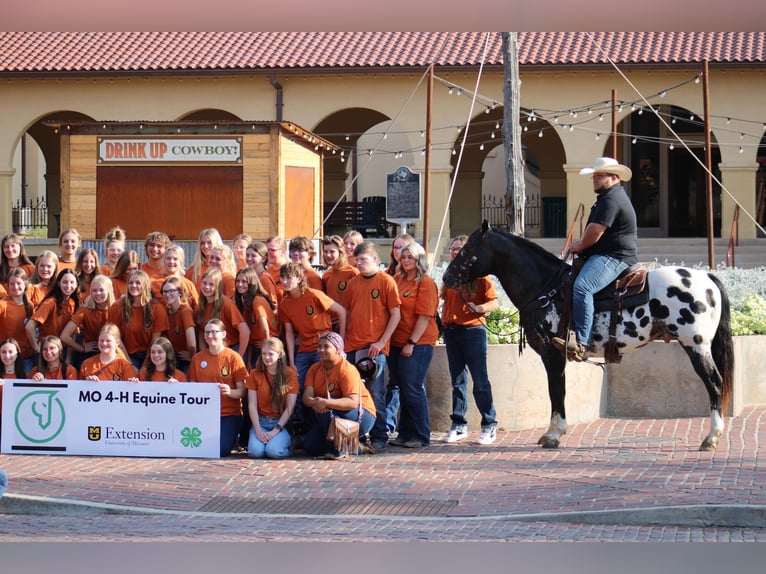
{"x": 344, "y": 433}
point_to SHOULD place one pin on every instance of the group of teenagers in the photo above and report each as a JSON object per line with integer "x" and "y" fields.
{"x": 289, "y": 348}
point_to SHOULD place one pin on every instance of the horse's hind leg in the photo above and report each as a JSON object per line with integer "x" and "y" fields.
{"x": 554, "y": 368}
{"x": 704, "y": 366}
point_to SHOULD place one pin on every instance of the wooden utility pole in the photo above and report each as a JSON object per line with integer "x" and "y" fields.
{"x": 515, "y": 196}
{"x": 708, "y": 165}
{"x": 427, "y": 174}
{"x": 614, "y": 124}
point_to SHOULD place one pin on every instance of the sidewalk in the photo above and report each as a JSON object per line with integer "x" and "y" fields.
{"x": 631, "y": 478}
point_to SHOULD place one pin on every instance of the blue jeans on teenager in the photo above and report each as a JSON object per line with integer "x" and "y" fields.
{"x": 377, "y": 389}
{"x": 302, "y": 415}
{"x": 597, "y": 272}
{"x": 467, "y": 352}
{"x": 229, "y": 430}
{"x": 281, "y": 446}
{"x": 410, "y": 374}
{"x": 315, "y": 442}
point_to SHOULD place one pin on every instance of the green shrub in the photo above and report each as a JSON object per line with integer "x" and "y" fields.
{"x": 750, "y": 317}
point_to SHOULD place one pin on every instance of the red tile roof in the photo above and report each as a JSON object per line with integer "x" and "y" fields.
{"x": 82, "y": 52}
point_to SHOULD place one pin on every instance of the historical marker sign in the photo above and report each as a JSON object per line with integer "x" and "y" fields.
{"x": 403, "y": 195}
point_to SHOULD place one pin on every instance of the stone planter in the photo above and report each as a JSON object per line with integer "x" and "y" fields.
{"x": 655, "y": 382}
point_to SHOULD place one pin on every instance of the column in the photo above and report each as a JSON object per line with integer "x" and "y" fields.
{"x": 6, "y": 199}
{"x": 740, "y": 181}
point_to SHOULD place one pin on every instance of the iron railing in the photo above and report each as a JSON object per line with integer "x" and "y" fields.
{"x": 33, "y": 215}
{"x": 493, "y": 210}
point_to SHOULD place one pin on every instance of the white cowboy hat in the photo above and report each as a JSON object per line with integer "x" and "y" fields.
{"x": 608, "y": 165}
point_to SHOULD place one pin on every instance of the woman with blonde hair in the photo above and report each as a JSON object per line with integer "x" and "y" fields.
{"x": 175, "y": 266}
{"x": 86, "y": 268}
{"x": 15, "y": 310}
{"x": 80, "y": 334}
{"x": 273, "y": 387}
{"x": 42, "y": 279}
{"x": 55, "y": 311}
{"x": 350, "y": 240}
{"x": 182, "y": 331}
{"x": 69, "y": 244}
{"x": 12, "y": 255}
{"x": 208, "y": 238}
{"x": 139, "y": 317}
{"x": 222, "y": 257}
{"x": 213, "y": 304}
{"x": 239, "y": 248}
{"x": 110, "y": 364}
{"x": 114, "y": 245}
{"x": 128, "y": 262}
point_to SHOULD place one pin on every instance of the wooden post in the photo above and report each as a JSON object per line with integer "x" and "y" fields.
{"x": 515, "y": 197}
{"x": 708, "y": 165}
{"x": 614, "y": 124}
{"x": 427, "y": 174}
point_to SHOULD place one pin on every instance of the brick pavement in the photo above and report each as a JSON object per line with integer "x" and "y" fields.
{"x": 454, "y": 492}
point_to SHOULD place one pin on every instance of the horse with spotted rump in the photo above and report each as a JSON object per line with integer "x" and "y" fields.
{"x": 685, "y": 305}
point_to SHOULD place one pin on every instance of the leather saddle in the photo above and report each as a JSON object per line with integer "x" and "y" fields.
{"x": 628, "y": 290}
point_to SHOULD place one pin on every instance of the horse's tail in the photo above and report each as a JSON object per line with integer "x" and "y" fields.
{"x": 723, "y": 346}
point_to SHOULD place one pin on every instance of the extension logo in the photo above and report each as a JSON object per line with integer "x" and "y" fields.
{"x": 191, "y": 437}
{"x": 40, "y": 416}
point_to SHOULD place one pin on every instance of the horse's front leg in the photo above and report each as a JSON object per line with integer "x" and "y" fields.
{"x": 555, "y": 369}
{"x": 716, "y": 430}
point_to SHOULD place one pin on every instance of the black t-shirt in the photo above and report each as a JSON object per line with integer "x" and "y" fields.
{"x": 613, "y": 209}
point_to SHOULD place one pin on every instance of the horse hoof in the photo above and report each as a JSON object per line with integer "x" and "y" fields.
{"x": 708, "y": 445}
{"x": 550, "y": 443}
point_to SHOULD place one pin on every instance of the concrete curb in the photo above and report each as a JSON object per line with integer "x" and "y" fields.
{"x": 695, "y": 515}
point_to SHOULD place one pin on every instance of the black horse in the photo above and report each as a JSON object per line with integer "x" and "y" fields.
{"x": 686, "y": 305}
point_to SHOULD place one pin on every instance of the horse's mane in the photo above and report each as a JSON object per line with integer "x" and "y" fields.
{"x": 524, "y": 243}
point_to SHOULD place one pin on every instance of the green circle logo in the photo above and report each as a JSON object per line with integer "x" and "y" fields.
{"x": 40, "y": 416}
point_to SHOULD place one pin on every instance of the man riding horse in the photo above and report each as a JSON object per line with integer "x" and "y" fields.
{"x": 609, "y": 246}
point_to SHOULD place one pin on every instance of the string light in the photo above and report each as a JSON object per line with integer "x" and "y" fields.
{"x": 492, "y": 135}
{"x": 454, "y": 151}
{"x": 672, "y": 147}
{"x": 481, "y": 147}
{"x": 598, "y": 136}
{"x": 422, "y": 133}
{"x": 601, "y": 117}
{"x": 540, "y": 134}
{"x": 497, "y": 125}
{"x": 662, "y": 93}
{"x": 741, "y": 150}
{"x": 634, "y": 140}
{"x": 460, "y": 91}
{"x": 697, "y": 79}
{"x": 487, "y": 110}
{"x": 450, "y": 90}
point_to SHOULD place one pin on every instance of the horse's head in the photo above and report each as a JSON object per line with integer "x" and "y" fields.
{"x": 471, "y": 262}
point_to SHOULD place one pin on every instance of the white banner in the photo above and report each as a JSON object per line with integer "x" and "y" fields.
{"x": 111, "y": 418}
{"x": 169, "y": 150}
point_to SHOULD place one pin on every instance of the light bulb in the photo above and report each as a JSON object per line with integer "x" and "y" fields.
{"x": 422, "y": 133}
{"x": 590, "y": 111}
{"x": 348, "y": 137}
{"x": 741, "y": 150}
{"x": 697, "y": 79}
{"x": 662, "y": 93}
{"x": 673, "y": 120}
{"x": 481, "y": 147}
{"x": 598, "y": 136}
{"x": 497, "y": 125}
{"x": 741, "y": 135}
{"x": 492, "y": 135}
{"x": 634, "y": 140}
{"x": 450, "y": 90}
{"x": 555, "y": 119}
{"x": 454, "y": 151}
{"x": 460, "y": 91}
{"x": 619, "y": 108}
{"x": 571, "y": 128}
{"x": 601, "y": 117}
{"x": 641, "y": 112}
{"x": 728, "y": 121}
{"x": 632, "y": 107}
{"x": 691, "y": 118}
{"x": 672, "y": 146}
{"x": 487, "y": 110}
{"x": 540, "y": 134}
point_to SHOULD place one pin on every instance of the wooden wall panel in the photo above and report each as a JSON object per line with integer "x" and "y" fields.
{"x": 179, "y": 200}
{"x": 259, "y": 185}
{"x": 299, "y": 193}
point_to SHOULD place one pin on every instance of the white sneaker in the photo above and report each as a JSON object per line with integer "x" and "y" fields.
{"x": 488, "y": 436}
{"x": 456, "y": 433}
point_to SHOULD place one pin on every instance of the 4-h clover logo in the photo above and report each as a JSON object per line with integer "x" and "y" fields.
{"x": 191, "y": 437}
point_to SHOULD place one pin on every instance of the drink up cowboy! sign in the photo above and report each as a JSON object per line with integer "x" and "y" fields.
{"x": 111, "y": 418}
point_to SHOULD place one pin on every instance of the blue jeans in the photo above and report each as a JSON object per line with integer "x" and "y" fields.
{"x": 302, "y": 415}
{"x": 281, "y": 446}
{"x": 315, "y": 442}
{"x": 467, "y": 351}
{"x": 597, "y": 272}
{"x": 377, "y": 389}
{"x": 410, "y": 374}
{"x": 229, "y": 430}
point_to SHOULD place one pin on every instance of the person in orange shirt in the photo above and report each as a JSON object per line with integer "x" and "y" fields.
{"x": 350, "y": 240}
{"x": 13, "y": 366}
{"x": 374, "y": 299}
{"x": 276, "y": 249}
{"x": 41, "y": 280}
{"x": 174, "y": 262}
{"x": 335, "y": 279}
{"x": 12, "y": 255}
{"x": 208, "y": 238}
{"x": 302, "y": 252}
{"x": 155, "y": 245}
{"x": 69, "y": 244}
{"x": 81, "y": 333}
{"x": 256, "y": 255}
{"x": 465, "y": 339}
{"x": 86, "y": 268}
{"x": 114, "y": 245}
{"x": 396, "y": 248}
{"x": 222, "y": 257}
{"x": 15, "y": 310}
{"x": 221, "y": 365}
{"x": 412, "y": 346}
{"x": 140, "y": 319}
{"x": 239, "y": 248}
{"x": 128, "y": 262}
{"x": 213, "y": 304}
{"x": 55, "y": 311}
{"x": 110, "y": 364}
{"x": 182, "y": 331}
{"x": 52, "y": 366}
{"x": 258, "y": 309}
{"x": 160, "y": 364}
{"x": 334, "y": 388}
{"x": 273, "y": 391}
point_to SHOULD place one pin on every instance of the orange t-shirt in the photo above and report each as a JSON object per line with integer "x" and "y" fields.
{"x": 178, "y": 322}
{"x": 261, "y": 309}
{"x": 309, "y": 314}
{"x": 118, "y": 370}
{"x": 120, "y": 287}
{"x": 190, "y": 274}
{"x": 342, "y": 380}
{"x": 52, "y": 321}
{"x": 58, "y": 374}
{"x": 225, "y": 367}
{"x": 273, "y": 289}
{"x": 369, "y": 301}
{"x": 159, "y": 377}
{"x": 89, "y": 322}
{"x": 456, "y": 312}
{"x": 65, "y": 265}
{"x": 335, "y": 281}
{"x": 36, "y": 293}
{"x": 274, "y": 272}
{"x": 152, "y": 272}
{"x": 230, "y": 316}
{"x": 188, "y": 288}
{"x": 261, "y": 383}
{"x": 13, "y": 317}
{"x": 135, "y": 336}
{"x": 313, "y": 279}
{"x": 418, "y": 298}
